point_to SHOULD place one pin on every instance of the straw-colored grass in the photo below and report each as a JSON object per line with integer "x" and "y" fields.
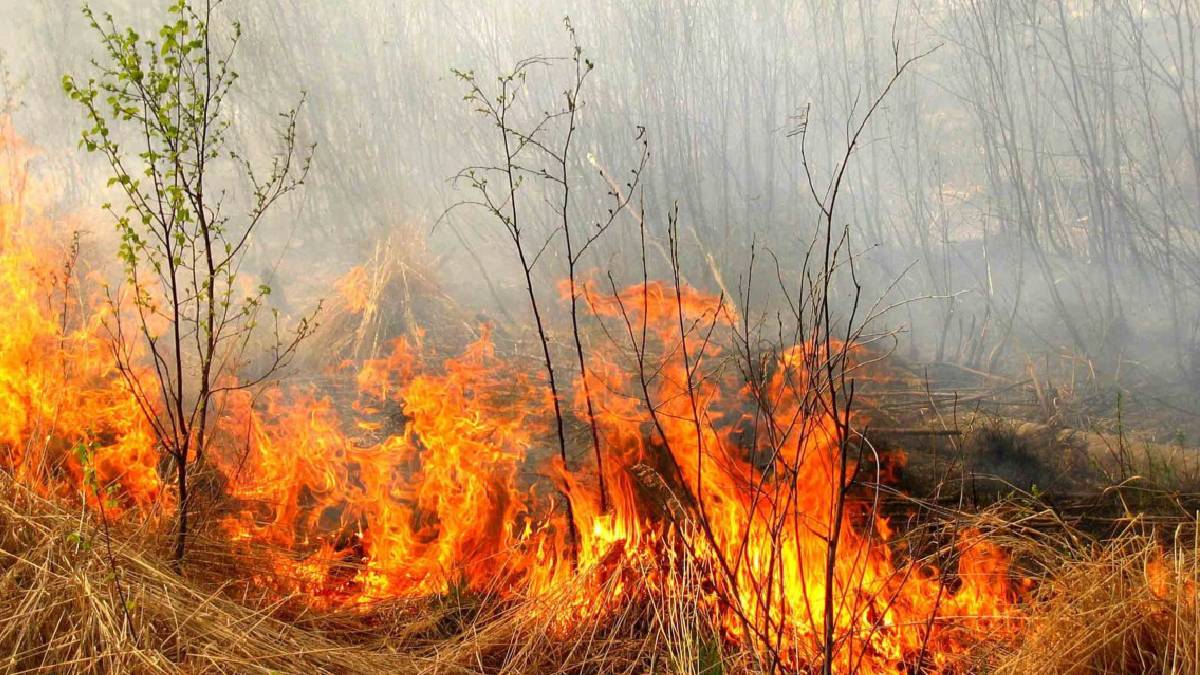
{"x": 72, "y": 601}
{"x": 68, "y": 605}
{"x": 1127, "y": 605}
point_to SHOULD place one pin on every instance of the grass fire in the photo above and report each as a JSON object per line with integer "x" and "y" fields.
{"x": 686, "y": 339}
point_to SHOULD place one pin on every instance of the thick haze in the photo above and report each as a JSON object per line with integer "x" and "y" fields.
{"x": 1035, "y": 177}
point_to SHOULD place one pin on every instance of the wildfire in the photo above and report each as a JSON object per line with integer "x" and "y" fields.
{"x": 443, "y": 471}
{"x": 354, "y": 288}
{"x": 67, "y": 423}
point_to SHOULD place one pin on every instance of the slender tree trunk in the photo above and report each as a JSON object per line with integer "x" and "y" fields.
{"x": 181, "y": 512}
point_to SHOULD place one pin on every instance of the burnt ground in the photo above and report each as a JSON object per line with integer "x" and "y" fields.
{"x": 1092, "y": 448}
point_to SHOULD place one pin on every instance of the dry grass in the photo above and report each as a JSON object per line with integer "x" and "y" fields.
{"x": 393, "y": 293}
{"x": 72, "y": 604}
{"x": 66, "y": 611}
{"x": 1128, "y": 605}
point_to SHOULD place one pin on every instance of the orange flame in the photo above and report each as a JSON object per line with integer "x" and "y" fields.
{"x": 64, "y": 413}
{"x": 354, "y": 288}
{"x": 445, "y": 471}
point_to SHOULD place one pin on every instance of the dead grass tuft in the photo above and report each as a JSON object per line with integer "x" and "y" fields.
{"x": 73, "y": 604}
{"x": 1127, "y": 605}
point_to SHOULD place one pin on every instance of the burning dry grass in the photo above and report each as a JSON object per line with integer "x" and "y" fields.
{"x": 426, "y": 534}
{"x": 76, "y": 602}
{"x": 392, "y": 293}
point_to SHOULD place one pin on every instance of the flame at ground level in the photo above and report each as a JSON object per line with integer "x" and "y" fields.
{"x": 443, "y": 471}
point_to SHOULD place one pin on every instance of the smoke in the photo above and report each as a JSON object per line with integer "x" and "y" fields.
{"x": 1029, "y": 185}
